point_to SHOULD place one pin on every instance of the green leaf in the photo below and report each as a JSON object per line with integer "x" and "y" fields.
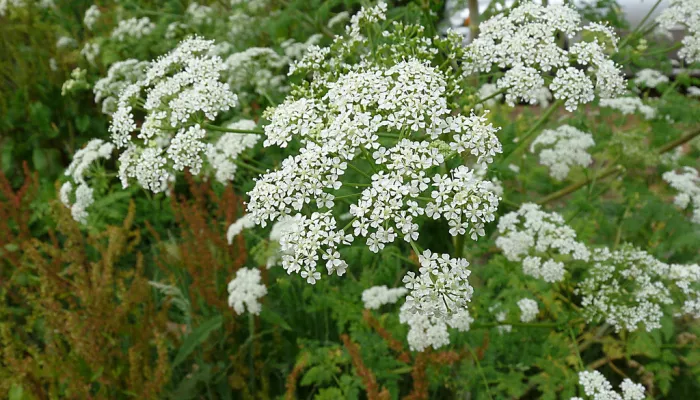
{"x": 329, "y": 394}
{"x": 16, "y": 392}
{"x": 275, "y": 319}
{"x": 82, "y": 123}
{"x": 197, "y": 337}
{"x": 39, "y": 159}
{"x": 317, "y": 374}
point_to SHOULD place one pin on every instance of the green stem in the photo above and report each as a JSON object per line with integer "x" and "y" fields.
{"x": 249, "y": 167}
{"x": 415, "y": 248}
{"x": 495, "y": 94}
{"x": 572, "y": 188}
{"x": 481, "y": 371}
{"x": 664, "y": 51}
{"x": 459, "y": 246}
{"x": 578, "y": 353}
{"x": 369, "y": 159}
{"x": 345, "y": 196}
{"x": 641, "y": 24}
{"x": 251, "y": 353}
{"x": 681, "y": 140}
{"x": 526, "y": 137}
{"x": 361, "y": 172}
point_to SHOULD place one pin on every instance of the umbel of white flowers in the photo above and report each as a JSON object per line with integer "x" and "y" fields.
{"x": 627, "y": 288}
{"x": 75, "y": 193}
{"x": 344, "y": 125}
{"x": 524, "y": 42}
{"x": 179, "y": 90}
{"x": 245, "y": 290}
{"x": 598, "y": 388}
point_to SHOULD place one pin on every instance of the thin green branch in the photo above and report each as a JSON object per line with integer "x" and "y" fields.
{"x": 574, "y": 187}
{"x": 681, "y": 140}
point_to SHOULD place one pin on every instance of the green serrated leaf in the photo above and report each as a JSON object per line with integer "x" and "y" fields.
{"x": 198, "y": 336}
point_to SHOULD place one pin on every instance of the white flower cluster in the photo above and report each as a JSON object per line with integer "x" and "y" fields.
{"x": 562, "y": 148}
{"x": 6, "y": 6}
{"x": 377, "y": 296}
{"x": 684, "y": 12}
{"x": 120, "y": 75}
{"x": 92, "y": 14}
{"x": 223, "y": 154}
{"x": 650, "y": 78}
{"x": 90, "y": 51}
{"x": 625, "y": 288}
{"x": 428, "y": 331}
{"x": 629, "y": 105}
{"x": 181, "y": 89}
{"x": 78, "y": 187}
{"x": 200, "y": 14}
{"x": 598, "y": 388}
{"x": 687, "y": 183}
{"x": 259, "y": 68}
{"x": 343, "y": 127}
{"x": 65, "y": 41}
{"x": 533, "y": 236}
{"x": 528, "y": 310}
{"x": 441, "y": 289}
{"x": 245, "y": 290}
{"x": 133, "y": 29}
{"x": 525, "y": 43}
{"x": 244, "y": 222}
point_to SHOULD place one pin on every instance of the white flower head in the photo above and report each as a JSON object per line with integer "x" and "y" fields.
{"x": 179, "y": 91}
{"x": 524, "y": 43}
{"x": 245, "y": 290}
{"x": 687, "y": 183}
{"x": 377, "y": 296}
{"x": 530, "y": 235}
{"x": 528, "y": 310}
{"x": 562, "y": 148}
{"x": 598, "y": 388}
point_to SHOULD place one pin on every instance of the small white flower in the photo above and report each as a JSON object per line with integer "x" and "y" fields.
{"x": 377, "y": 296}
{"x": 528, "y": 310}
{"x": 245, "y": 290}
{"x": 562, "y": 148}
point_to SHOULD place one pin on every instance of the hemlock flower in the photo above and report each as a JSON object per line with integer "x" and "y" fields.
{"x": 428, "y": 331}
{"x": 528, "y": 310}
{"x": 223, "y": 154}
{"x": 377, "y": 296}
{"x": 650, "y": 78}
{"x": 92, "y": 14}
{"x": 180, "y": 90}
{"x": 120, "y": 75}
{"x": 244, "y": 222}
{"x": 625, "y": 288}
{"x": 75, "y": 193}
{"x": 245, "y": 290}
{"x": 562, "y": 148}
{"x": 90, "y": 51}
{"x": 598, "y": 388}
{"x": 685, "y": 13}
{"x": 687, "y": 183}
{"x": 342, "y": 124}
{"x": 441, "y": 289}
{"x": 524, "y": 41}
{"x": 629, "y": 105}
{"x": 529, "y": 235}
{"x": 133, "y": 29}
